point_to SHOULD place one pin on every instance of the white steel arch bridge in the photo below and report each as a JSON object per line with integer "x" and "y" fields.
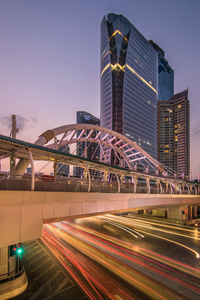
{"x": 114, "y": 148}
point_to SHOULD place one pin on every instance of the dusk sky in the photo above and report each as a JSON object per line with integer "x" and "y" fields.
{"x": 50, "y": 58}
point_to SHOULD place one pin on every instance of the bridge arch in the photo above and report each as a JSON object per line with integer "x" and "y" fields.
{"x": 128, "y": 153}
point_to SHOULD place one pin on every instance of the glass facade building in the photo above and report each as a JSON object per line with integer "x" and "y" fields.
{"x": 165, "y": 75}
{"x": 129, "y": 73}
{"x": 62, "y": 169}
{"x": 174, "y": 133}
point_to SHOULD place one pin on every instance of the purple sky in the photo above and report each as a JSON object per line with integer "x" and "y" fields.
{"x": 50, "y": 58}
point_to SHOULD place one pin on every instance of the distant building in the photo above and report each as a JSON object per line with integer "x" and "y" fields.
{"x": 174, "y": 133}
{"x": 63, "y": 169}
{"x": 88, "y": 149}
{"x": 129, "y": 73}
{"x": 165, "y": 75}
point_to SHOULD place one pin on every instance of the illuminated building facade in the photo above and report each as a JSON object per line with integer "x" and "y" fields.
{"x": 88, "y": 150}
{"x": 174, "y": 133}
{"x": 129, "y": 72}
{"x": 62, "y": 169}
{"x": 165, "y": 75}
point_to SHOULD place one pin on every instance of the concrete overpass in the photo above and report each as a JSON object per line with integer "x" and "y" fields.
{"x": 22, "y": 213}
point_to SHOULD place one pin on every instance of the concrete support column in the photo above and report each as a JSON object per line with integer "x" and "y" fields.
{"x": 148, "y": 186}
{"x": 166, "y": 187}
{"x": 180, "y": 188}
{"x": 3, "y": 263}
{"x": 194, "y": 211}
{"x": 118, "y": 182}
{"x": 157, "y": 186}
{"x": 188, "y": 188}
{"x": 190, "y": 212}
{"x": 191, "y": 190}
{"x": 171, "y": 188}
{"x": 134, "y": 181}
{"x": 121, "y": 179}
{"x": 87, "y": 174}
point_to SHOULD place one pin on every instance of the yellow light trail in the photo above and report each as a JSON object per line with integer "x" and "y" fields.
{"x": 135, "y": 248}
{"x": 118, "y": 268}
{"x": 168, "y": 226}
{"x": 157, "y": 236}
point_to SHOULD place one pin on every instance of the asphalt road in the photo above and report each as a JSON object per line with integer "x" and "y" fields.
{"x": 148, "y": 259}
{"x": 114, "y": 257}
{"x": 46, "y": 277}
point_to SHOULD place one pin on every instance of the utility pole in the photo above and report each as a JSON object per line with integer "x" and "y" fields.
{"x": 13, "y": 135}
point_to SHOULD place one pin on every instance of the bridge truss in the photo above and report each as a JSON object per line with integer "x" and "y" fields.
{"x": 114, "y": 150}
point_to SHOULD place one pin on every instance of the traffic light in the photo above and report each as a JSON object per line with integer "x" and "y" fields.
{"x": 19, "y": 250}
{"x": 13, "y": 250}
{"x": 16, "y": 250}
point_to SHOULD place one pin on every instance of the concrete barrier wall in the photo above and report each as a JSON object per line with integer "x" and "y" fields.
{"x": 22, "y": 213}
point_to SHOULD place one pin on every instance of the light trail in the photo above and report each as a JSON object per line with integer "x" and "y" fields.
{"x": 129, "y": 230}
{"x": 81, "y": 284}
{"x": 59, "y": 244}
{"x": 156, "y": 258}
{"x": 113, "y": 264}
{"x": 164, "y": 224}
{"x": 168, "y": 226}
{"x": 153, "y": 255}
{"x": 183, "y": 283}
{"x": 160, "y": 237}
{"x": 153, "y": 269}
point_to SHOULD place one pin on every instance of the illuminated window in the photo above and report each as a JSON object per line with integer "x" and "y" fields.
{"x": 179, "y": 106}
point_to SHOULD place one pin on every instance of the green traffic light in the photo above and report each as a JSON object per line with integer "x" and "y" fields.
{"x": 19, "y": 251}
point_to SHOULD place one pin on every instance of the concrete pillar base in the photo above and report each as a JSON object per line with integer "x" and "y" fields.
{"x": 13, "y": 288}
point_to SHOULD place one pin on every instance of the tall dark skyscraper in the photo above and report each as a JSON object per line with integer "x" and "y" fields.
{"x": 89, "y": 150}
{"x": 129, "y": 72}
{"x": 165, "y": 75}
{"x": 174, "y": 133}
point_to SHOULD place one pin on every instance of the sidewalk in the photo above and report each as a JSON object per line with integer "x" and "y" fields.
{"x": 13, "y": 287}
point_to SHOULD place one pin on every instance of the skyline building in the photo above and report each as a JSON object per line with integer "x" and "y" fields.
{"x": 174, "y": 133}
{"x": 129, "y": 73}
{"x": 63, "y": 169}
{"x": 165, "y": 75}
{"x": 88, "y": 150}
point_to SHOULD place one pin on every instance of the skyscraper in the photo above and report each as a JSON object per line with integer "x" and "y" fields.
{"x": 165, "y": 75}
{"x": 129, "y": 72}
{"x": 174, "y": 133}
{"x": 89, "y": 150}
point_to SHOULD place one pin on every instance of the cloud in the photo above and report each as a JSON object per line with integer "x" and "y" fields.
{"x": 21, "y": 122}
